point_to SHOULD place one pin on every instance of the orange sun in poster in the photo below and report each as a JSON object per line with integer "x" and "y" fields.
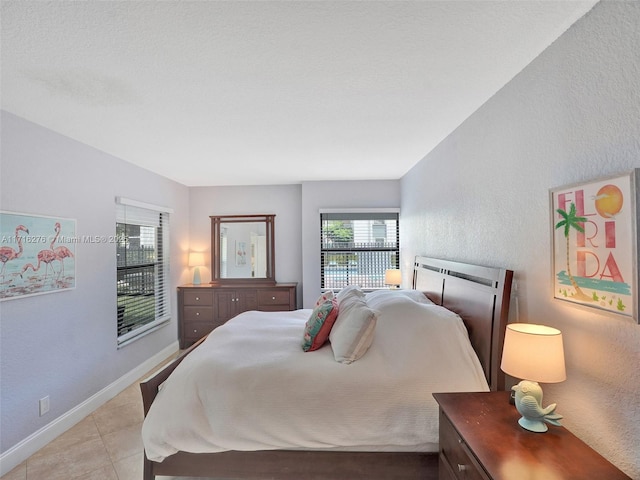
{"x": 609, "y": 201}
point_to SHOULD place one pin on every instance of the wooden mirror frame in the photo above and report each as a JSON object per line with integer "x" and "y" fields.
{"x": 216, "y": 221}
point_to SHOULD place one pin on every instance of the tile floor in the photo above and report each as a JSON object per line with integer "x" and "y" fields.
{"x": 106, "y": 445}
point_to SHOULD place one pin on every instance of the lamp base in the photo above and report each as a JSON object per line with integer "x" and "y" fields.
{"x": 533, "y": 425}
{"x": 196, "y": 276}
{"x": 529, "y": 405}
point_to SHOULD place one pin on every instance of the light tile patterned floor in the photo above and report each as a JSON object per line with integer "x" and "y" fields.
{"x": 106, "y": 445}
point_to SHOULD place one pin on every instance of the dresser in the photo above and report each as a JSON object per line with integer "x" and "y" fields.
{"x": 201, "y": 308}
{"x": 481, "y": 439}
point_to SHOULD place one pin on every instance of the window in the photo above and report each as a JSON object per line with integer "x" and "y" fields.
{"x": 357, "y": 248}
{"x": 142, "y": 253}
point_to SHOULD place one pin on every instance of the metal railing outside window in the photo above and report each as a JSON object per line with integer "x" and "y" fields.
{"x": 142, "y": 268}
{"x": 357, "y": 248}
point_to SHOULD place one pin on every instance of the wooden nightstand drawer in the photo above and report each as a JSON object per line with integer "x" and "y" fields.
{"x": 197, "y": 297}
{"x": 455, "y": 458}
{"x": 198, "y": 314}
{"x": 274, "y": 297}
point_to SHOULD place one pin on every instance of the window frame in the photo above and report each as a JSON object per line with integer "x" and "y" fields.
{"x": 161, "y": 280}
{"x": 373, "y": 246}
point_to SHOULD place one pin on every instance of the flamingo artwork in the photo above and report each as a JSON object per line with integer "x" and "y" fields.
{"x": 60, "y": 252}
{"x": 45, "y": 264}
{"x": 44, "y": 256}
{"x": 48, "y": 256}
{"x": 7, "y": 253}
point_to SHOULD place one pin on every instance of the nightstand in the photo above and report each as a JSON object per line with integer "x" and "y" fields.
{"x": 481, "y": 439}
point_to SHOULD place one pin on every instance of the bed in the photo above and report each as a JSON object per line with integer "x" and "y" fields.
{"x": 467, "y": 301}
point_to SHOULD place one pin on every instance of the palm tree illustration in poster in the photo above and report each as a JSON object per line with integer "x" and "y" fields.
{"x": 594, "y": 244}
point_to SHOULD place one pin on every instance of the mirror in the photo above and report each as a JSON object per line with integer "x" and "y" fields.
{"x": 242, "y": 249}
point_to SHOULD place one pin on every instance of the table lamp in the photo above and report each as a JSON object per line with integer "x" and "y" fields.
{"x": 533, "y": 353}
{"x": 196, "y": 259}
{"x": 392, "y": 277}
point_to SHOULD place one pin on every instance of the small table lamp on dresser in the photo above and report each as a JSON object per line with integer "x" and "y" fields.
{"x": 393, "y": 277}
{"x": 533, "y": 353}
{"x": 196, "y": 259}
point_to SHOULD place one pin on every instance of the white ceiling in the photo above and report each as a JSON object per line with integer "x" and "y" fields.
{"x": 267, "y": 92}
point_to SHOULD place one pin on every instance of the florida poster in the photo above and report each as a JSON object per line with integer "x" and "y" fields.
{"x": 595, "y": 251}
{"x": 37, "y": 254}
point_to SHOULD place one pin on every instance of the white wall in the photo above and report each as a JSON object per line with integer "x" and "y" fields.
{"x": 345, "y": 194}
{"x": 483, "y": 196}
{"x": 64, "y": 344}
{"x": 281, "y": 200}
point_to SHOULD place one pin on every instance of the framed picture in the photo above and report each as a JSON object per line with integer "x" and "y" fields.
{"x": 595, "y": 243}
{"x": 241, "y": 253}
{"x": 37, "y": 255}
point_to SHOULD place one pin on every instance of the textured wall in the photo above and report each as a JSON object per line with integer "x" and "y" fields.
{"x": 483, "y": 196}
{"x": 64, "y": 344}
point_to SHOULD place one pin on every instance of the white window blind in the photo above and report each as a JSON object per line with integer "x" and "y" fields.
{"x": 357, "y": 248}
{"x": 142, "y": 254}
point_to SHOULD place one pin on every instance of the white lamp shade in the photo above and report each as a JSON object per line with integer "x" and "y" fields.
{"x": 533, "y": 352}
{"x": 196, "y": 259}
{"x": 392, "y": 276}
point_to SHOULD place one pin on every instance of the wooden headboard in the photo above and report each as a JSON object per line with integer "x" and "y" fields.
{"x": 480, "y": 296}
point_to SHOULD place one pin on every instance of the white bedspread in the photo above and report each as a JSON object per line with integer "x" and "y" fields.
{"x": 250, "y": 386}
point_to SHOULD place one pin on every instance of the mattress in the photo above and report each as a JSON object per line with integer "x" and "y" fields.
{"x": 250, "y": 386}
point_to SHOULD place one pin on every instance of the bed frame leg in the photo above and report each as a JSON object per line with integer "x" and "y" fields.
{"x": 148, "y": 469}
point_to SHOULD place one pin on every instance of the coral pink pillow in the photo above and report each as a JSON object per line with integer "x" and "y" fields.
{"x": 318, "y": 327}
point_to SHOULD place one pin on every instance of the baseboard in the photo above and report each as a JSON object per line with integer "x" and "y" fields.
{"x": 34, "y": 442}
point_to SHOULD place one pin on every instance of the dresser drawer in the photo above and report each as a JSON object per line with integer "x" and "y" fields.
{"x": 197, "y": 314}
{"x": 194, "y": 331}
{"x": 197, "y": 296}
{"x": 456, "y": 460}
{"x": 274, "y": 297}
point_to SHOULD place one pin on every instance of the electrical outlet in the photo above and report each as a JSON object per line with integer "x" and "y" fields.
{"x": 44, "y": 405}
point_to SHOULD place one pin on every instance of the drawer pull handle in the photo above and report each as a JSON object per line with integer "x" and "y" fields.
{"x": 273, "y": 298}
{"x": 197, "y": 298}
{"x": 197, "y": 314}
{"x": 195, "y": 331}
{"x": 462, "y": 468}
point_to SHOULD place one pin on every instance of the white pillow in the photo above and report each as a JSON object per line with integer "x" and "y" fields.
{"x": 377, "y": 297}
{"x": 352, "y": 334}
{"x": 350, "y": 291}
